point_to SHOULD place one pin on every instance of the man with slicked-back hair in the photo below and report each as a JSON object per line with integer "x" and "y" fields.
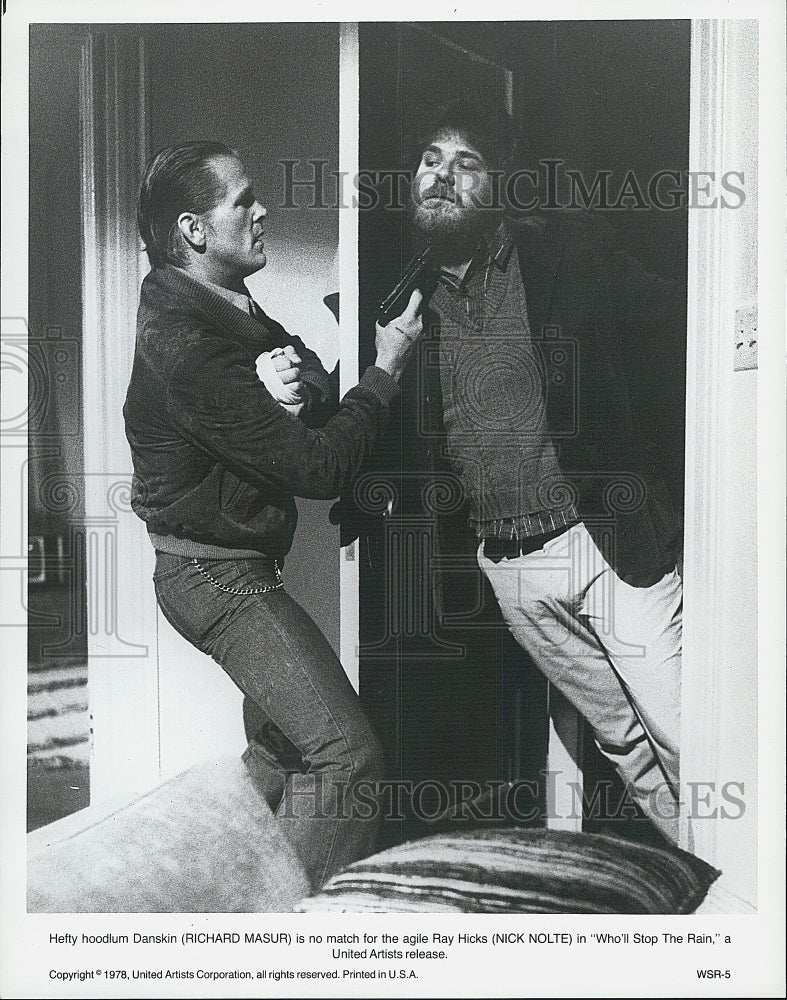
{"x": 217, "y": 416}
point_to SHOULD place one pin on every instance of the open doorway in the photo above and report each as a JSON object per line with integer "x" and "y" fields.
{"x": 113, "y": 689}
{"x": 603, "y": 112}
{"x": 58, "y": 722}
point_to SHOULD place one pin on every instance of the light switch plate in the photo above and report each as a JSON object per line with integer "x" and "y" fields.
{"x": 745, "y": 338}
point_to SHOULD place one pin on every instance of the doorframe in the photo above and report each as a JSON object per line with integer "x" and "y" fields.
{"x": 720, "y": 640}
{"x": 123, "y": 678}
{"x": 349, "y": 570}
{"x": 124, "y": 684}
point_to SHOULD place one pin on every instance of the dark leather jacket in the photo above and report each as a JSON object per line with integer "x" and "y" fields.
{"x": 216, "y": 459}
{"x": 611, "y": 338}
{"x": 619, "y": 423}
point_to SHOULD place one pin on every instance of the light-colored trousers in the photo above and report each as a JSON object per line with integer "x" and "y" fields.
{"x": 612, "y": 649}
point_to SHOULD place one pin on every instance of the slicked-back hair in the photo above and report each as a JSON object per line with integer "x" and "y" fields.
{"x": 177, "y": 179}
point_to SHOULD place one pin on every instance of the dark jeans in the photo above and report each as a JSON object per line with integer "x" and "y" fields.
{"x": 284, "y": 665}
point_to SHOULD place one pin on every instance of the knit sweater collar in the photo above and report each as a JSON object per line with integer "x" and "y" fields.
{"x": 194, "y": 296}
{"x": 241, "y": 300}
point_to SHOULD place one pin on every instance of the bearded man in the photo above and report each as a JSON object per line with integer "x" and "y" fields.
{"x": 555, "y": 420}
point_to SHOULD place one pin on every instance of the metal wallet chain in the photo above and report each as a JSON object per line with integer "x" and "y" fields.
{"x": 241, "y": 593}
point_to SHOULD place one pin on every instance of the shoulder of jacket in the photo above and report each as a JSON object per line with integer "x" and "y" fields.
{"x": 559, "y": 226}
{"x": 168, "y": 332}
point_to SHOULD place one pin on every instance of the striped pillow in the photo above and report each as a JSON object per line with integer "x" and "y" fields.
{"x": 519, "y": 871}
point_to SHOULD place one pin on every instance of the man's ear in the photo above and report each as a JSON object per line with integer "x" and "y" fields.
{"x": 193, "y": 229}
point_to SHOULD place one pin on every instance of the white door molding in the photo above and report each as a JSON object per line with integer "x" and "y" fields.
{"x": 121, "y": 615}
{"x": 719, "y": 697}
{"x": 349, "y": 605}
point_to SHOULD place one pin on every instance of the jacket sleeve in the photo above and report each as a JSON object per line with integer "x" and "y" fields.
{"x": 312, "y": 373}
{"x": 217, "y": 403}
{"x": 649, "y": 313}
{"x": 323, "y": 387}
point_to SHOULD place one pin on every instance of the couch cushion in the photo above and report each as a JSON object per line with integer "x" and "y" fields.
{"x": 202, "y": 842}
{"x": 519, "y": 871}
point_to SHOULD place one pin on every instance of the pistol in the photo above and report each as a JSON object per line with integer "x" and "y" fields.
{"x": 413, "y": 276}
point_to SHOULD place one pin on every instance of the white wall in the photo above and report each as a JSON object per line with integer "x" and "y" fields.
{"x": 270, "y": 91}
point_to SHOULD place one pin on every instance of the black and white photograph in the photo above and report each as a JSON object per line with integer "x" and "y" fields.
{"x": 393, "y": 501}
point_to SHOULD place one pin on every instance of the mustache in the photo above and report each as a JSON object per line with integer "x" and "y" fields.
{"x": 439, "y": 196}
{"x": 437, "y": 190}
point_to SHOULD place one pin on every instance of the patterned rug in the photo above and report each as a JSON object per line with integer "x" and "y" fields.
{"x": 58, "y": 726}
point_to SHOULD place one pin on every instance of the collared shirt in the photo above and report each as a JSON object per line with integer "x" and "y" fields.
{"x": 246, "y": 304}
{"x": 242, "y": 301}
{"x": 494, "y": 250}
{"x": 494, "y": 412}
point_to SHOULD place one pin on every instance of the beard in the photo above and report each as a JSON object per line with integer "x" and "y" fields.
{"x": 453, "y": 230}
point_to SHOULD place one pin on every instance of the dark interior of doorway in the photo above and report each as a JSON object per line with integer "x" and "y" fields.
{"x": 452, "y": 696}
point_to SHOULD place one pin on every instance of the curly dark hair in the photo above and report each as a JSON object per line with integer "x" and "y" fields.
{"x": 490, "y": 129}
